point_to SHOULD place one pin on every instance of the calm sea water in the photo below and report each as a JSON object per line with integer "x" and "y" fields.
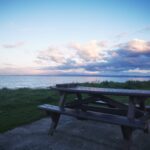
{"x": 46, "y": 81}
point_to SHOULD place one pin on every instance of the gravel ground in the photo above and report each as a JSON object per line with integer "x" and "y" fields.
{"x": 71, "y": 134}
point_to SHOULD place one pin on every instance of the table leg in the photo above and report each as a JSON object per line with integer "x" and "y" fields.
{"x": 127, "y": 131}
{"x": 141, "y": 102}
{"x": 55, "y": 116}
{"x": 80, "y": 102}
{"x": 131, "y": 108}
{"x": 127, "y": 135}
{"x": 80, "y": 105}
{"x": 62, "y": 99}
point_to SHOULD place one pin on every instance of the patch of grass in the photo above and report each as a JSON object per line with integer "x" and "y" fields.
{"x": 126, "y": 85}
{"x": 19, "y": 106}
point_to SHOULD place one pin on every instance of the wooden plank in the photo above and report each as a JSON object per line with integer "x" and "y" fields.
{"x": 86, "y": 100}
{"x": 115, "y": 111}
{"x": 105, "y": 101}
{"x": 107, "y": 91}
{"x": 103, "y": 117}
{"x": 118, "y": 104}
{"x": 112, "y": 102}
{"x": 74, "y": 103}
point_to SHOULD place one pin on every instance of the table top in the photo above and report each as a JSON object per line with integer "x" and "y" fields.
{"x": 107, "y": 91}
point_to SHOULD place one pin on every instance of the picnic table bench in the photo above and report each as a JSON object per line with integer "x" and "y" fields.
{"x": 98, "y": 105}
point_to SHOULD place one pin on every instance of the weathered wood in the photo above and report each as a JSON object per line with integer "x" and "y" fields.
{"x": 55, "y": 119}
{"x": 105, "y": 91}
{"x": 97, "y": 108}
{"x": 141, "y": 101}
{"x": 131, "y": 109}
{"x": 112, "y": 102}
{"x": 87, "y": 100}
{"x": 63, "y": 96}
{"x": 127, "y": 135}
{"x": 113, "y": 111}
{"x": 103, "y": 117}
{"x": 116, "y": 111}
{"x": 130, "y": 117}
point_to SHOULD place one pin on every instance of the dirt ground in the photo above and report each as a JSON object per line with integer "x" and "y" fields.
{"x": 71, "y": 134}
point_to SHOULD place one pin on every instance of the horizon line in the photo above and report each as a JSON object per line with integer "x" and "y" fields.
{"x": 77, "y": 75}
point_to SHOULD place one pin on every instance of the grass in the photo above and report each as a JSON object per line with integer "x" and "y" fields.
{"x": 19, "y": 106}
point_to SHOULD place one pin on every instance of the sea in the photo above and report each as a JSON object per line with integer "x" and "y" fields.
{"x": 45, "y": 81}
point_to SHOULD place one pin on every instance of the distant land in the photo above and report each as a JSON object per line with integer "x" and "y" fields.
{"x": 89, "y": 75}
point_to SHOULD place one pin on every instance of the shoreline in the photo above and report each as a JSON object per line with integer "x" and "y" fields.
{"x": 95, "y": 82}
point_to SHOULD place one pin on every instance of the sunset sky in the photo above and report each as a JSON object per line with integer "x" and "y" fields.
{"x": 75, "y": 37}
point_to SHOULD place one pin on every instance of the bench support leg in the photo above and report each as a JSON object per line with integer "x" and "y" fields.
{"x": 127, "y": 135}
{"x": 55, "y": 118}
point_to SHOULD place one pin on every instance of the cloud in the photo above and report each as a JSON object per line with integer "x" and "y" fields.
{"x": 137, "y": 70}
{"x": 74, "y": 54}
{"x": 52, "y": 54}
{"x": 73, "y": 57}
{"x": 139, "y": 46}
{"x": 93, "y": 57}
{"x": 129, "y": 56}
{"x": 15, "y": 45}
{"x": 91, "y": 51}
{"x": 14, "y": 70}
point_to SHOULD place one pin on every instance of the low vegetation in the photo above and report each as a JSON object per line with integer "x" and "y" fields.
{"x": 126, "y": 85}
{"x": 19, "y": 106}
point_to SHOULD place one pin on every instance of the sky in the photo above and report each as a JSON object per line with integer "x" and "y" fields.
{"x": 86, "y": 37}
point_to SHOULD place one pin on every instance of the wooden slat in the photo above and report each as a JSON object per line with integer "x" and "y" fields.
{"x": 102, "y": 108}
{"x": 112, "y": 102}
{"x": 107, "y": 91}
{"x": 86, "y": 100}
{"x": 108, "y": 118}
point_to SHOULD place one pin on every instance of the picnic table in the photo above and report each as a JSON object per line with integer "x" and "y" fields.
{"x": 97, "y": 104}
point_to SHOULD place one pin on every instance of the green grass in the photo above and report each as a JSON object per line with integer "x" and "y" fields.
{"x": 126, "y": 85}
{"x": 19, "y": 106}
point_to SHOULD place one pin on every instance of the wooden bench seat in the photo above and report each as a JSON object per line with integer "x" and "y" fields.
{"x": 96, "y": 116}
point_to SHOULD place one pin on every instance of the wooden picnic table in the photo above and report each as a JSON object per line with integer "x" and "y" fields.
{"x": 97, "y": 104}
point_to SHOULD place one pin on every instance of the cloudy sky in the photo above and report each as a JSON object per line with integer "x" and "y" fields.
{"x": 75, "y": 37}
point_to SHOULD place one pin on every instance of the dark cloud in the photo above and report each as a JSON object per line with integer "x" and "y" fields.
{"x": 133, "y": 55}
